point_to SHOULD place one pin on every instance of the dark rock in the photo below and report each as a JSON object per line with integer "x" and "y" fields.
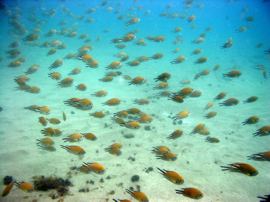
{"x": 112, "y": 192}
{"x": 147, "y": 128}
{"x": 131, "y": 158}
{"x": 91, "y": 182}
{"x": 7, "y": 180}
{"x": 135, "y": 178}
{"x": 82, "y": 190}
{"x": 73, "y": 168}
{"x": 149, "y": 169}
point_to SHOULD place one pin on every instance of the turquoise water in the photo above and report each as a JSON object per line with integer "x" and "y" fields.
{"x": 33, "y": 102}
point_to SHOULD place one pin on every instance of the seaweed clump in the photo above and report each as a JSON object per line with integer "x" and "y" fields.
{"x": 42, "y": 183}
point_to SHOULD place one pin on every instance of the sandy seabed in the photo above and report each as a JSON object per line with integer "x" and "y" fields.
{"x": 198, "y": 161}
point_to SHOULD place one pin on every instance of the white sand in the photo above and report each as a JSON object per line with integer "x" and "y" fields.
{"x": 198, "y": 161}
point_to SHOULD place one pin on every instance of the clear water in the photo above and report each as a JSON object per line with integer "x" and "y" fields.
{"x": 198, "y": 161}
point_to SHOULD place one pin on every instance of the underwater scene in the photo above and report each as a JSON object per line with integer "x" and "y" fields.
{"x": 135, "y": 100}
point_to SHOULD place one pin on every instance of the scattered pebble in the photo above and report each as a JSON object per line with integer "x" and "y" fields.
{"x": 131, "y": 158}
{"x": 84, "y": 190}
{"x": 129, "y": 135}
{"x": 212, "y": 139}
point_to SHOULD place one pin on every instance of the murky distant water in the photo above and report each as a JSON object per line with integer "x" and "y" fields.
{"x": 107, "y": 100}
